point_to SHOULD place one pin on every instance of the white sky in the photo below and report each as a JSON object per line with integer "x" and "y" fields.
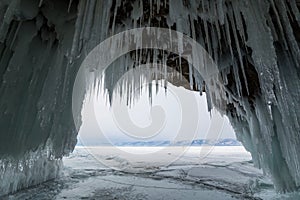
{"x": 162, "y": 121}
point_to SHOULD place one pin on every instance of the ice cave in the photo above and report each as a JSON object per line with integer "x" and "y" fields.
{"x": 255, "y": 45}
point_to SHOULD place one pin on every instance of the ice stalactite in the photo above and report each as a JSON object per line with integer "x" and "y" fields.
{"x": 255, "y": 44}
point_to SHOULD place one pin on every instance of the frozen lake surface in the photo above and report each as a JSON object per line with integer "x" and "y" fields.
{"x": 141, "y": 173}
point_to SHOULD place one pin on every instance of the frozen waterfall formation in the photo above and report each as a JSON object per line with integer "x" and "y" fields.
{"x": 43, "y": 42}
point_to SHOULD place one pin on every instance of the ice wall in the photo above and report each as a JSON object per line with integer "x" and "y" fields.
{"x": 36, "y": 125}
{"x": 255, "y": 43}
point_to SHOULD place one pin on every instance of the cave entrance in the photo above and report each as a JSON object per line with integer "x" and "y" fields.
{"x": 143, "y": 149}
{"x": 137, "y": 122}
{"x": 166, "y": 123}
{"x": 138, "y": 70}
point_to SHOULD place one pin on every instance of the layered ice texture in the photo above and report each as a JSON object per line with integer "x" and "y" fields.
{"x": 43, "y": 42}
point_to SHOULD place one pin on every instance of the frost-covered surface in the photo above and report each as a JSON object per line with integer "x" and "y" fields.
{"x": 255, "y": 43}
{"x": 226, "y": 173}
{"x": 32, "y": 169}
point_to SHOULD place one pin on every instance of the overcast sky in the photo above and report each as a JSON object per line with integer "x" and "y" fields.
{"x": 142, "y": 122}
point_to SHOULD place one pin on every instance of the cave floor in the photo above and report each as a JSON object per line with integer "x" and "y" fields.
{"x": 100, "y": 173}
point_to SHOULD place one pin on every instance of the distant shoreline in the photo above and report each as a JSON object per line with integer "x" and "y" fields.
{"x": 196, "y": 143}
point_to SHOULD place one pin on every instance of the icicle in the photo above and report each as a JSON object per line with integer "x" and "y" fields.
{"x": 41, "y": 3}
{"x": 233, "y": 27}
{"x": 227, "y": 27}
{"x": 157, "y": 6}
{"x": 279, "y": 24}
{"x": 7, "y": 19}
{"x": 78, "y": 28}
{"x": 70, "y": 4}
{"x": 118, "y": 4}
{"x": 89, "y": 20}
{"x": 293, "y": 5}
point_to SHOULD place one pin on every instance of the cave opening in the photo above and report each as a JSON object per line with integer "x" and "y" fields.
{"x": 147, "y": 140}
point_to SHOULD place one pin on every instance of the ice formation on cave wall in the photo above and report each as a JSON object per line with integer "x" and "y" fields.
{"x": 43, "y": 42}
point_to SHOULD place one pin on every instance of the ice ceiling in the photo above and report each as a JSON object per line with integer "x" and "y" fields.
{"x": 43, "y": 42}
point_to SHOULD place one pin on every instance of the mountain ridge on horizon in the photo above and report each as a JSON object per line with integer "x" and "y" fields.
{"x": 198, "y": 142}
